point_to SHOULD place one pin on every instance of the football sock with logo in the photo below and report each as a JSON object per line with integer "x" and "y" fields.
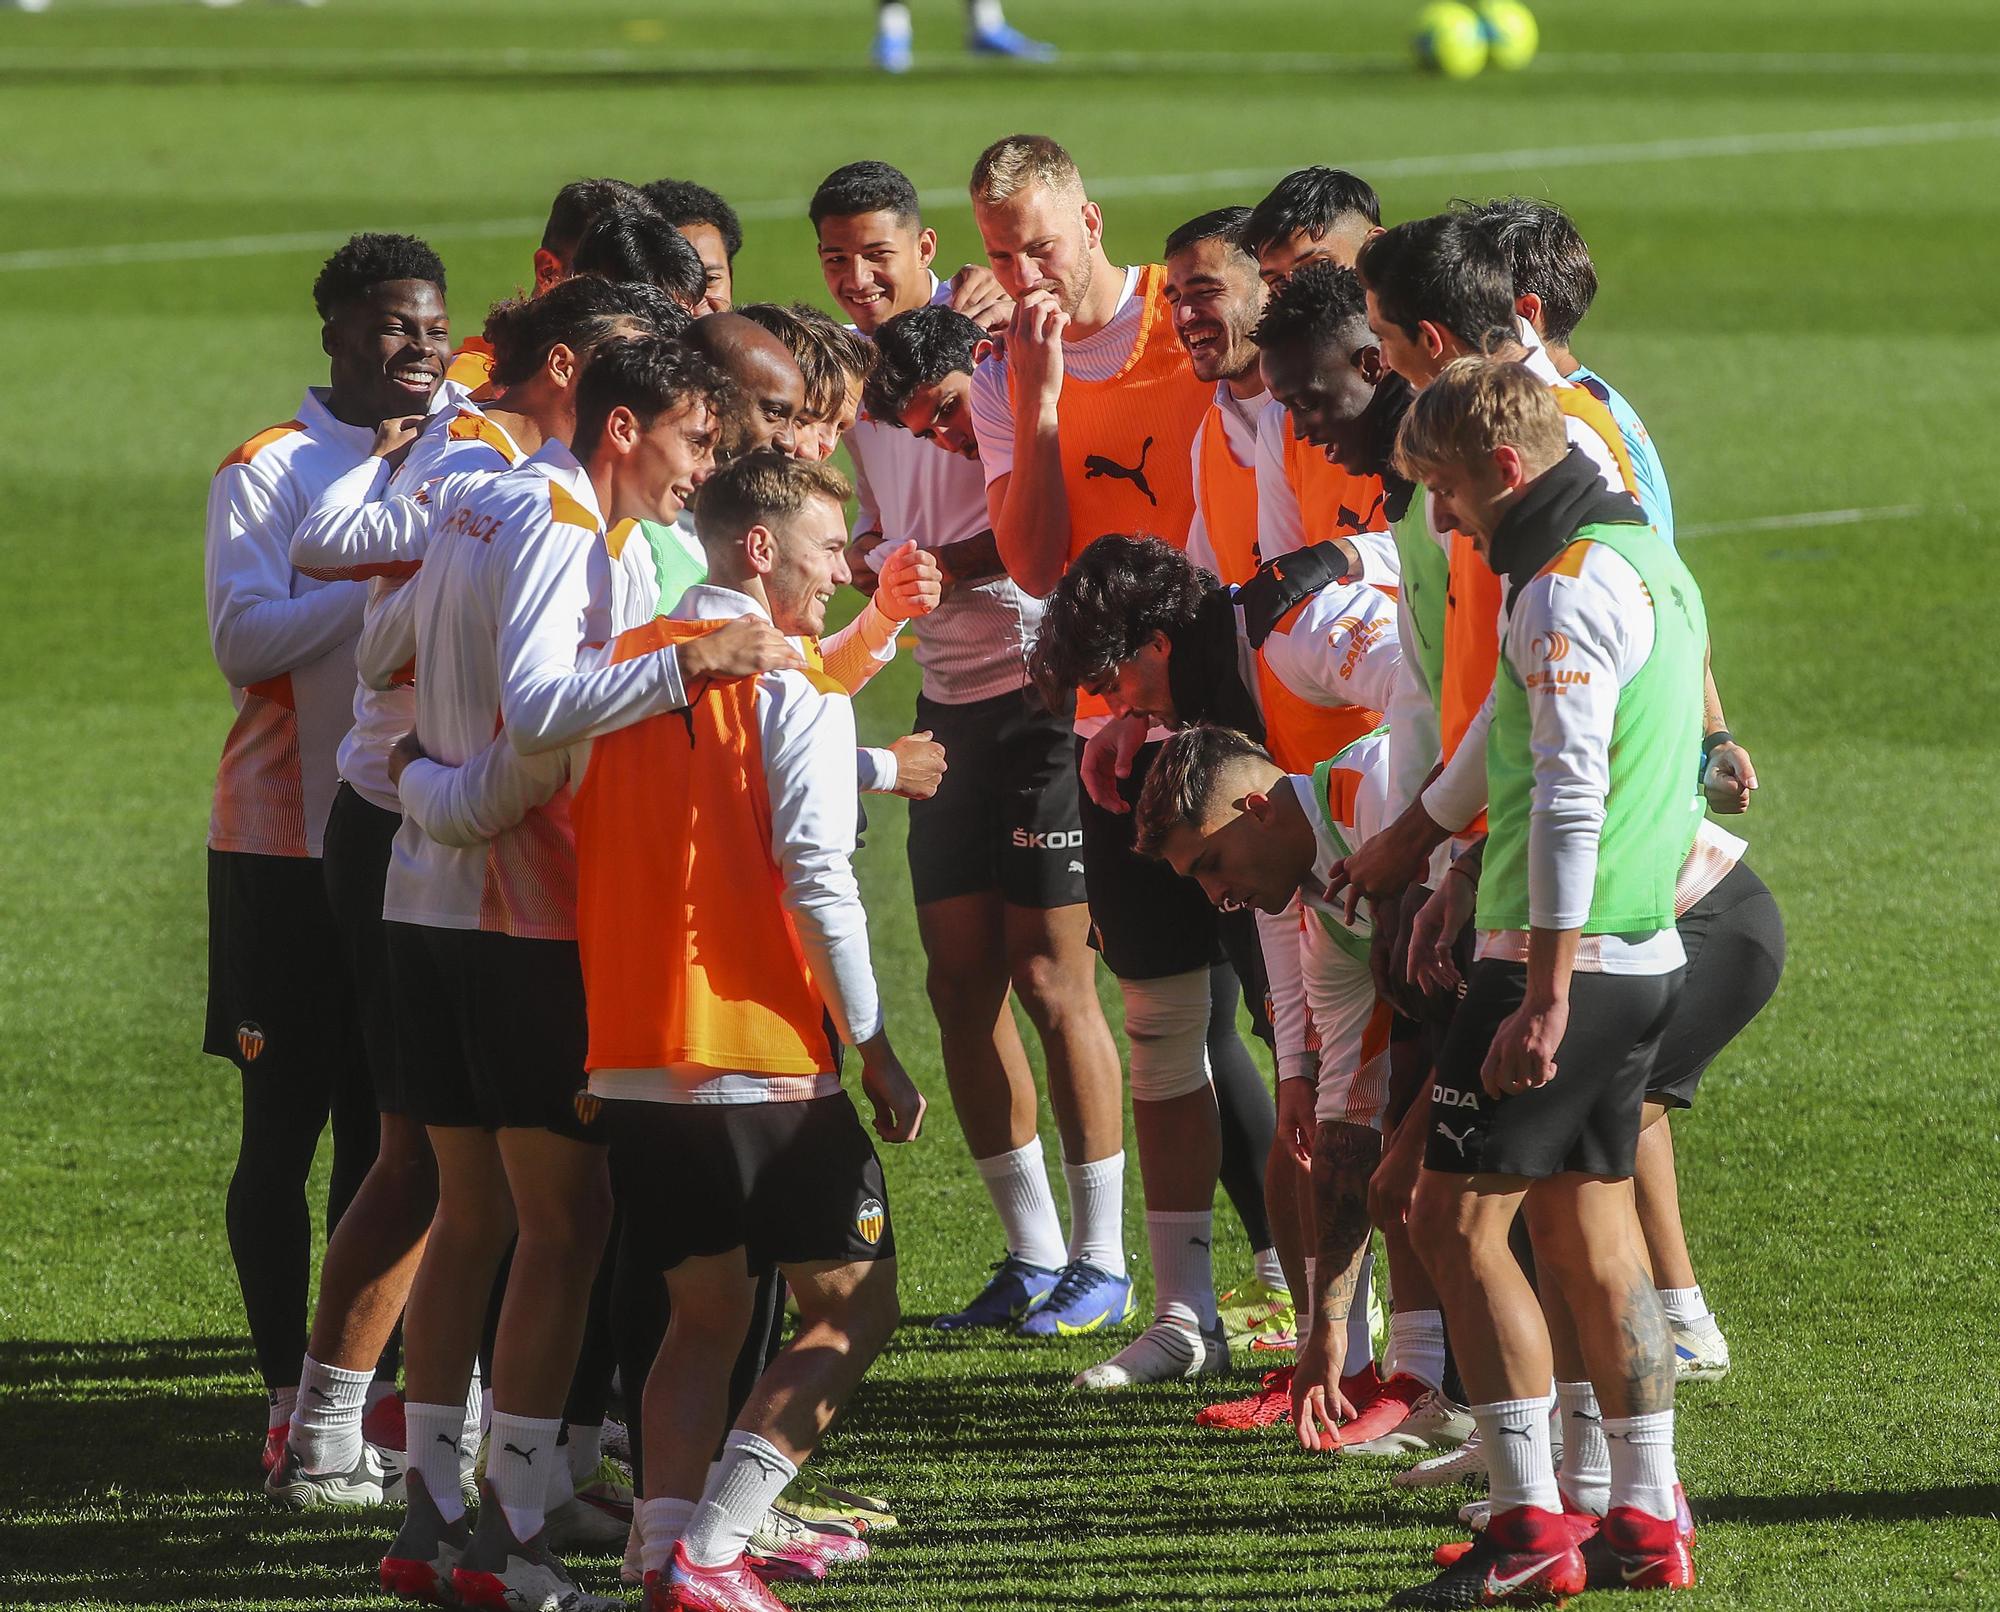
{"x": 1685, "y": 1306}
{"x": 1097, "y": 1212}
{"x": 741, "y": 1486}
{"x": 518, "y": 1483}
{"x": 1018, "y": 1183}
{"x": 661, "y": 1524}
{"x": 1416, "y": 1346}
{"x": 1641, "y": 1450}
{"x": 1585, "y": 1478}
{"x": 326, "y": 1423}
{"x": 1360, "y": 1339}
{"x": 432, "y": 1432}
{"x": 1514, "y": 1433}
{"x": 1183, "y": 1266}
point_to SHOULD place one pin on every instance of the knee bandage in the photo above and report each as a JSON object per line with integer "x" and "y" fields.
{"x": 1166, "y": 1021}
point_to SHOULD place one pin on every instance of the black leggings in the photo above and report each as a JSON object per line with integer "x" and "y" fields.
{"x": 1249, "y": 1117}
{"x": 269, "y": 1222}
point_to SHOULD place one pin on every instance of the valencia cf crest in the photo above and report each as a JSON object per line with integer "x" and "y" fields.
{"x": 587, "y": 1106}
{"x": 250, "y": 1041}
{"x": 871, "y": 1220}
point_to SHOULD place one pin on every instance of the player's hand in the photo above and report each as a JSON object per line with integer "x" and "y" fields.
{"x": 1297, "y": 1122}
{"x": 899, "y": 1106}
{"x": 1035, "y": 349}
{"x": 1728, "y": 781}
{"x": 976, "y": 293}
{"x": 920, "y": 766}
{"x": 740, "y": 648}
{"x": 393, "y": 437}
{"x": 912, "y": 584}
{"x": 1434, "y": 931}
{"x": 1523, "y": 1054}
{"x": 862, "y": 576}
{"x": 1394, "y": 1183}
{"x": 1318, "y": 1406}
{"x": 1385, "y": 866}
{"x": 1108, "y": 755}
{"x": 404, "y": 751}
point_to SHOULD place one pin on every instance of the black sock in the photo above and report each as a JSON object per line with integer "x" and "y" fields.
{"x": 1249, "y": 1117}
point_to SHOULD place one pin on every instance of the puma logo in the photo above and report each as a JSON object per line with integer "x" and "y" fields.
{"x": 525, "y": 1455}
{"x": 1095, "y": 465}
{"x": 320, "y": 1394}
{"x": 1588, "y": 1416}
{"x": 446, "y": 1438}
{"x": 1198, "y": 1242}
{"x": 1516, "y": 1432}
{"x": 1457, "y": 1139}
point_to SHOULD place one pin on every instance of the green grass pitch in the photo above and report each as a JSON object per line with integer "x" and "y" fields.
{"x": 1794, "y": 210}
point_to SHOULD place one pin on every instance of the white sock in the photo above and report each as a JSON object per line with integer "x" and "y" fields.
{"x": 1270, "y": 1272}
{"x": 661, "y": 1524}
{"x": 326, "y": 1419}
{"x": 586, "y": 1452}
{"x": 1018, "y": 1183}
{"x": 1519, "y": 1471}
{"x": 741, "y": 1486}
{"x": 561, "y": 1485}
{"x": 1183, "y": 1266}
{"x": 893, "y": 20}
{"x": 283, "y": 1402}
{"x": 518, "y": 1483}
{"x": 1360, "y": 1341}
{"x": 1308, "y": 1310}
{"x": 1685, "y": 1306}
{"x": 987, "y": 15}
{"x": 484, "y": 1402}
{"x": 1416, "y": 1346}
{"x": 1585, "y": 1478}
{"x": 1555, "y": 1425}
{"x": 1097, "y": 1212}
{"x": 378, "y": 1390}
{"x": 432, "y": 1432}
{"x": 1641, "y": 1451}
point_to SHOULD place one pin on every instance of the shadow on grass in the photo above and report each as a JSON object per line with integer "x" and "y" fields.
{"x": 129, "y": 1480}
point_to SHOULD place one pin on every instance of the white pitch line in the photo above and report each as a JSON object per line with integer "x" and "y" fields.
{"x": 1770, "y": 143}
{"x": 1811, "y": 517}
{"x": 664, "y": 58}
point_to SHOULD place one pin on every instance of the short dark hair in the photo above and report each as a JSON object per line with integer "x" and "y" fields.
{"x": 761, "y": 488}
{"x": 369, "y": 260}
{"x": 866, "y": 187}
{"x": 1223, "y": 224}
{"x": 579, "y": 314}
{"x": 577, "y": 203}
{"x": 1546, "y": 255}
{"x": 1446, "y": 270}
{"x": 1184, "y": 779}
{"x": 1312, "y": 201}
{"x": 651, "y": 376}
{"x": 628, "y": 243}
{"x": 1312, "y": 308}
{"x": 918, "y": 348}
{"x": 1115, "y": 595}
{"x": 683, "y": 203}
{"x": 829, "y": 355}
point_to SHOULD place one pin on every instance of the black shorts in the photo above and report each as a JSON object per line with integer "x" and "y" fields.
{"x": 1585, "y": 1121}
{"x": 1146, "y": 920}
{"x": 491, "y": 1029}
{"x": 1735, "y": 943}
{"x": 787, "y": 1183}
{"x": 279, "y": 996}
{"x": 359, "y": 835}
{"x": 1004, "y": 817}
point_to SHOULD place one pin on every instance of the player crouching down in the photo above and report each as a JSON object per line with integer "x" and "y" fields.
{"x": 721, "y": 933}
{"x": 1223, "y": 813}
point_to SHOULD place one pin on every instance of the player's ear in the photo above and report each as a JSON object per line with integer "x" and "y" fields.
{"x": 1368, "y": 360}
{"x": 1257, "y": 807}
{"x": 1507, "y": 464}
{"x": 760, "y": 544}
{"x": 1529, "y": 307}
{"x": 1093, "y": 223}
{"x": 981, "y": 351}
{"x": 561, "y": 365}
{"x": 550, "y": 270}
{"x": 926, "y": 246}
{"x": 621, "y": 428}
{"x": 327, "y": 339}
{"x": 1431, "y": 338}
